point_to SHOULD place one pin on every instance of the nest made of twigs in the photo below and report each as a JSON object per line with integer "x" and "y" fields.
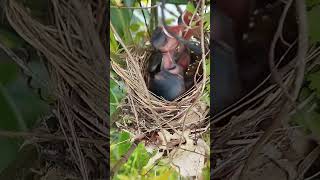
{"x": 147, "y": 111}
{"x": 74, "y": 55}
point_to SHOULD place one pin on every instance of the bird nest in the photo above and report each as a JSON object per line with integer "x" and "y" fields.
{"x": 262, "y": 130}
{"x": 149, "y": 113}
{"x": 163, "y": 125}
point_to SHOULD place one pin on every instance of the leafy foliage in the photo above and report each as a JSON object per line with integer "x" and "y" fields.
{"x": 309, "y": 116}
{"x": 20, "y": 106}
{"x": 190, "y": 7}
{"x": 116, "y": 94}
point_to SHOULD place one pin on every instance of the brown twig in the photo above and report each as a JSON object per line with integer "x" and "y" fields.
{"x": 126, "y": 156}
{"x": 302, "y": 46}
{"x": 307, "y": 162}
{"x": 274, "y": 73}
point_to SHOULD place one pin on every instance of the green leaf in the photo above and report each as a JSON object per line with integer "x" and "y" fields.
{"x": 138, "y": 14}
{"x": 140, "y": 156}
{"x": 134, "y": 27}
{"x": 190, "y": 7}
{"x": 169, "y": 21}
{"x": 116, "y": 94}
{"x": 208, "y": 67}
{"x": 125, "y": 143}
{"x": 140, "y": 36}
{"x": 314, "y": 25}
{"x": 206, "y": 171}
{"x": 120, "y": 19}
{"x": 207, "y": 21}
{"x": 206, "y": 98}
{"x": 113, "y": 43}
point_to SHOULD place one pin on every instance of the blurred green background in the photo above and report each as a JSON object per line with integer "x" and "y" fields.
{"x": 20, "y": 105}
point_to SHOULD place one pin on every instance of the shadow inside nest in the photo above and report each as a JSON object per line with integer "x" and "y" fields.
{"x": 149, "y": 112}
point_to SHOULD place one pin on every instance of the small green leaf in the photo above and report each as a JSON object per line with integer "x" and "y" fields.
{"x": 169, "y": 21}
{"x": 116, "y": 94}
{"x": 207, "y": 21}
{"x": 134, "y": 27}
{"x": 113, "y": 43}
{"x": 190, "y": 7}
{"x": 125, "y": 144}
{"x": 206, "y": 98}
{"x": 140, "y": 36}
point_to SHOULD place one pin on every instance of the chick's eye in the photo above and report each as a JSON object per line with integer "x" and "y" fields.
{"x": 172, "y": 67}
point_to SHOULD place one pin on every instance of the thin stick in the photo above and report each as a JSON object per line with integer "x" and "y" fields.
{"x": 302, "y": 46}
{"x": 274, "y": 72}
{"x": 126, "y": 156}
